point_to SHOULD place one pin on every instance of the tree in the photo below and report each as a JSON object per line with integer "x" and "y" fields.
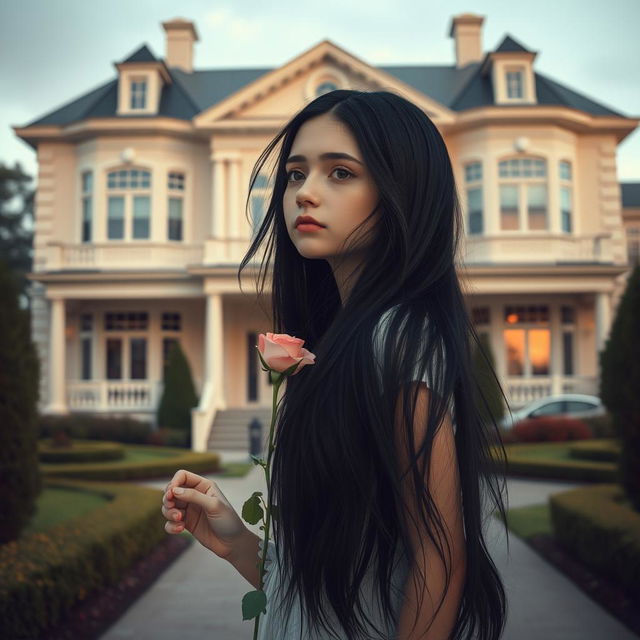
{"x": 179, "y": 394}
{"x": 620, "y": 384}
{"x": 19, "y": 394}
{"x": 483, "y": 368}
{"x": 16, "y": 224}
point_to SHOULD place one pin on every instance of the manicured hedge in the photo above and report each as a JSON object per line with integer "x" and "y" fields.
{"x": 522, "y": 461}
{"x": 90, "y": 426}
{"x": 551, "y": 429}
{"x": 127, "y": 470}
{"x": 600, "y": 450}
{"x": 42, "y": 575}
{"x": 80, "y": 452}
{"x": 601, "y": 532}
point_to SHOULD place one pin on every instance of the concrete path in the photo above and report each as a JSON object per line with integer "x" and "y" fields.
{"x": 199, "y": 596}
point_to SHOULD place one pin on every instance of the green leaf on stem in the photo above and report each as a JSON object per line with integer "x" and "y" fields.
{"x": 257, "y": 460}
{"x": 253, "y": 604}
{"x": 252, "y": 509}
{"x": 264, "y": 364}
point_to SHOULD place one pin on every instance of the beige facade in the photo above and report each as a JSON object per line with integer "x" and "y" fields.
{"x": 141, "y": 224}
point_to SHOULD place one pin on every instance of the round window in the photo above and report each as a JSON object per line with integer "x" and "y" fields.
{"x": 325, "y": 87}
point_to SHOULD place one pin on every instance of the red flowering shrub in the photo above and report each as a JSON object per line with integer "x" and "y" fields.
{"x": 551, "y": 429}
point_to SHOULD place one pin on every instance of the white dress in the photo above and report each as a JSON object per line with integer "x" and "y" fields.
{"x": 274, "y": 624}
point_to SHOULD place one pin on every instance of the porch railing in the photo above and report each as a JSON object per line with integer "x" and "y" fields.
{"x": 522, "y": 391}
{"x": 113, "y": 395}
{"x": 542, "y": 248}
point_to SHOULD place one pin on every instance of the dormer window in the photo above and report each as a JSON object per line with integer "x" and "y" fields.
{"x": 512, "y": 76}
{"x": 141, "y": 78}
{"x": 515, "y": 84}
{"x": 138, "y": 93}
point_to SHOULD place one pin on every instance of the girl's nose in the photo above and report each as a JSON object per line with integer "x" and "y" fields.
{"x": 306, "y": 195}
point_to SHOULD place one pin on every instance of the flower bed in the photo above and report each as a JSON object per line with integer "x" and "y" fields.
{"x": 553, "y": 460}
{"x": 42, "y": 575}
{"x": 78, "y": 451}
{"x": 600, "y": 531}
{"x": 169, "y": 460}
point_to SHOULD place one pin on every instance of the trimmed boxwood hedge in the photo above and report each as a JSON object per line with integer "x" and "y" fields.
{"x": 80, "y": 452}
{"x": 602, "y": 451}
{"x": 42, "y": 575}
{"x": 601, "y": 532}
{"x": 522, "y": 461}
{"x": 128, "y": 470}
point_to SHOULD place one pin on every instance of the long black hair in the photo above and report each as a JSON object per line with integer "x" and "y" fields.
{"x": 335, "y": 477}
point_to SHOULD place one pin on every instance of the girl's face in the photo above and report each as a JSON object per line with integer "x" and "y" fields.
{"x": 327, "y": 180}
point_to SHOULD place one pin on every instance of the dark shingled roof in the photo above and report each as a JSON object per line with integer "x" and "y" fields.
{"x": 143, "y": 54}
{"x": 630, "y": 194}
{"x": 510, "y": 45}
{"x": 192, "y": 93}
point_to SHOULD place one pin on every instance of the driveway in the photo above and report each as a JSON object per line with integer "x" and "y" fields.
{"x": 199, "y": 595}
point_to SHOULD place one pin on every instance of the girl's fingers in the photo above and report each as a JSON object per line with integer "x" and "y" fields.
{"x": 168, "y": 500}
{"x": 176, "y": 515}
{"x": 173, "y": 527}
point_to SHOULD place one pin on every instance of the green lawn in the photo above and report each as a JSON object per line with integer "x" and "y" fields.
{"x": 134, "y": 455}
{"x": 57, "y": 505}
{"x": 547, "y": 451}
{"x": 234, "y": 470}
{"x": 528, "y": 521}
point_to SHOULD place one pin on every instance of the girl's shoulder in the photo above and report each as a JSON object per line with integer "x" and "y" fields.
{"x": 381, "y": 335}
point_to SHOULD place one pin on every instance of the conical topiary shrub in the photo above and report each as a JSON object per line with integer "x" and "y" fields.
{"x": 19, "y": 394}
{"x": 179, "y": 394}
{"x": 483, "y": 370}
{"x": 620, "y": 384}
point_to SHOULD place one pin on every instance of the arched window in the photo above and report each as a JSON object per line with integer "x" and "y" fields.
{"x": 523, "y": 194}
{"x": 87, "y": 206}
{"x": 566, "y": 205}
{"x": 325, "y": 87}
{"x": 128, "y": 204}
{"x": 473, "y": 183}
{"x": 175, "y": 186}
{"x": 259, "y": 202}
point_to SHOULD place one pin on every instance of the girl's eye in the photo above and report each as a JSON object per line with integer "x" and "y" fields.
{"x": 344, "y": 171}
{"x": 290, "y": 174}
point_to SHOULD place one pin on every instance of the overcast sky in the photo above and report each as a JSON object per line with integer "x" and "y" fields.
{"x": 52, "y": 51}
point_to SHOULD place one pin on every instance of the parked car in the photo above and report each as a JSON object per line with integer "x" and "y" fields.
{"x": 576, "y": 405}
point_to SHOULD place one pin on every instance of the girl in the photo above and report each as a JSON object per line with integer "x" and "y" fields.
{"x": 383, "y": 445}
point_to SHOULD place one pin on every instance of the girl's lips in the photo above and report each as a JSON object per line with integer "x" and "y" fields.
{"x": 308, "y": 226}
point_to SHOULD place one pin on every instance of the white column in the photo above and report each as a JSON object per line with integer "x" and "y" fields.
{"x": 553, "y": 196}
{"x": 215, "y": 347}
{"x": 212, "y": 397}
{"x": 233, "y": 210}
{"x": 159, "y": 215}
{"x": 491, "y": 196}
{"x": 603, "y": 318}
{"x": 57, "y": 346}
{"x": 219, "y": 197}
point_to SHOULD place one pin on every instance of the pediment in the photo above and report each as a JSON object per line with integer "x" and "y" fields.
{"x": 285, "y": 90}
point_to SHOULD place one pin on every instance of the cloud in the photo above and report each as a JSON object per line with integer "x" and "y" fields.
{"x": 236, "y": 27}
{"x": 379, "y": 54}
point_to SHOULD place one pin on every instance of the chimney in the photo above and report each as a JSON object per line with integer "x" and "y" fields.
{"x": 467, "y": 31}
{"x": 180, "y": 36}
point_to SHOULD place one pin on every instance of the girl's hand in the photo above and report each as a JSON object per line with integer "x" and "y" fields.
{"x": 196, "y": 504}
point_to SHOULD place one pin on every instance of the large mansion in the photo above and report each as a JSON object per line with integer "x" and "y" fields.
{"x": 140, "y": 220}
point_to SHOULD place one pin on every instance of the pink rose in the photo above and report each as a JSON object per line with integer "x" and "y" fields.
{"x": 281, "y": 351}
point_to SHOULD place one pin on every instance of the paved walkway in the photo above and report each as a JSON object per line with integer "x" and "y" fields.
{"x": 199, "y": 596}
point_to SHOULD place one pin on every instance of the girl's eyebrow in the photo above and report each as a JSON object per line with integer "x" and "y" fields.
{"x": 332, "y": 155}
